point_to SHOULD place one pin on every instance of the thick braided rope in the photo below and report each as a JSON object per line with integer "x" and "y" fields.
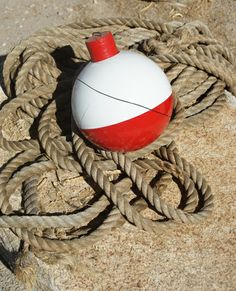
{"x": 169, "y": 212}
{"x": 39, "y": 80}
{"x": 29, "y": 197}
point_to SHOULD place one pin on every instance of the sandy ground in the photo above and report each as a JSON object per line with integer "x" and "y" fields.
{"x": 200, "y": 257}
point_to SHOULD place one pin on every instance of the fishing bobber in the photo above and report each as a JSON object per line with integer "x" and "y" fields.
{"x": 121, "y": 100}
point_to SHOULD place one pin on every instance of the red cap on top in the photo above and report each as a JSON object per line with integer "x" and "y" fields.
{"x": 101, "y": 46}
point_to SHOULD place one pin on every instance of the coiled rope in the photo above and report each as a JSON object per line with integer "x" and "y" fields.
{"x": 38, "y": 78}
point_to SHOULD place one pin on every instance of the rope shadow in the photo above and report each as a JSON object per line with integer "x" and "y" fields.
{"x": 2, "y": 60}
{"x": 8, "y": 257}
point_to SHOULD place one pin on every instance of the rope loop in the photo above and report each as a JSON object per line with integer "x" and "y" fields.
{"x": 38, "y": 79}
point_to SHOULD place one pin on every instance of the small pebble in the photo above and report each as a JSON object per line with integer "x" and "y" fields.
{"x": 69, "y": 9}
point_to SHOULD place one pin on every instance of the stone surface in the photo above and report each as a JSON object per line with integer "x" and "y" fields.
{"x": 8, "y": 281}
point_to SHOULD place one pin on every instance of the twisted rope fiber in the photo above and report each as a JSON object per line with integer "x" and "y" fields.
{"x": 38, "y": 77}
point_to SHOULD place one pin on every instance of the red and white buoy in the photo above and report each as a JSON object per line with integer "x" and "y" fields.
{"x": 121, "y": 101}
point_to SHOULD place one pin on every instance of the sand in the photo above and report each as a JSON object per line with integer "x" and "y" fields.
{"x": 200, "y": 257}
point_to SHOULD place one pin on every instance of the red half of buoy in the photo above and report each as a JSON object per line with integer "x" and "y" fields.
{"x": 134, "y": 133}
